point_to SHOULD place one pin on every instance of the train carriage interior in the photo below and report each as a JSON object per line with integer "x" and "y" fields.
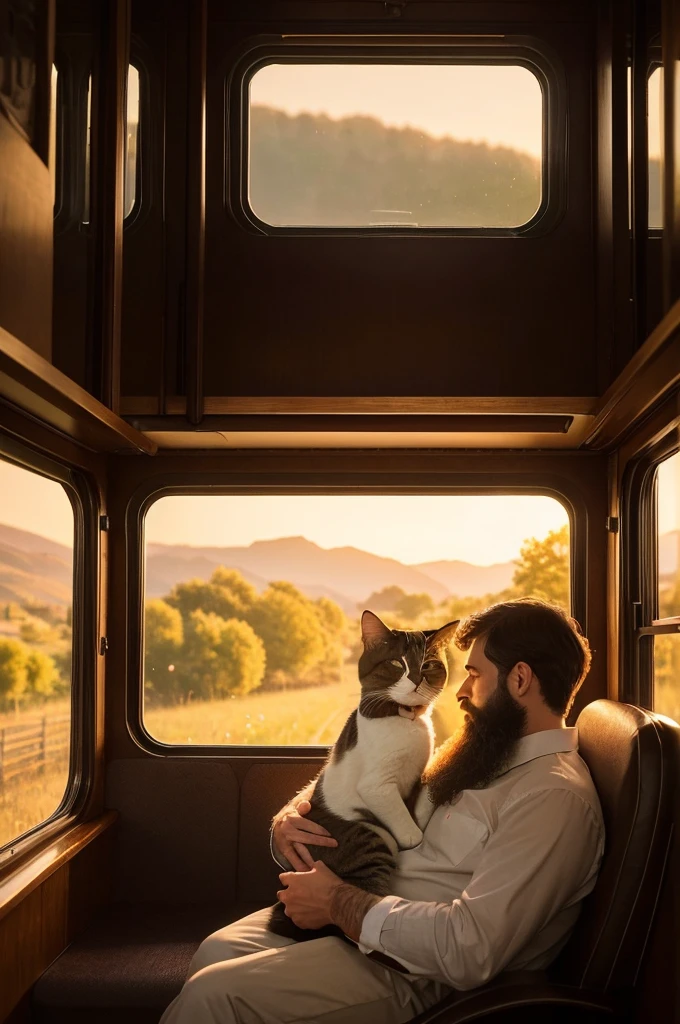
{"x": 308, "y": 306}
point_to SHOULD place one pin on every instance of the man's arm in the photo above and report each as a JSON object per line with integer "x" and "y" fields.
{"x": 348, "y": 908}
{"x": 542, "y": 858}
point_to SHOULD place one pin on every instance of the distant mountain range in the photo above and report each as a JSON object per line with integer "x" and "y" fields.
{"x": 32, "y": 567}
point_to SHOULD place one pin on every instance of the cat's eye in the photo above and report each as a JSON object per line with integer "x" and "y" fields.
{"x": 397, "y": 664}
{"x": 429, "y": 665}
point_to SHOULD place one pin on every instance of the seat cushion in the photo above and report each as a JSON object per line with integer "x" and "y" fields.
{"x": 128, "y": 965}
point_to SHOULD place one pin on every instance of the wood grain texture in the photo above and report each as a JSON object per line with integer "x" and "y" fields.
{"x": 45, "y": 918}
{"x": 30, "y": 382}
{"x": 652, "y": 373}
{"x": 419, "y": 405}
{"x": 16, "y": 884}
{"x": 25, "y": 242}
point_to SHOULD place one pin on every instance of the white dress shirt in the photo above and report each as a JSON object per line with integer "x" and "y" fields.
{"x": 499, "y": 876}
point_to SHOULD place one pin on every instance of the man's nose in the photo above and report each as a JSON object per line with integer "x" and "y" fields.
{"x": 465, "y": 690}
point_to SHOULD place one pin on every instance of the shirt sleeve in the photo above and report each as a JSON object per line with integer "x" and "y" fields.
{"x": 543, "y": 855}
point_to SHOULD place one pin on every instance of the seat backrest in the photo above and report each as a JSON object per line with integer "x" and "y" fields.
{"x": 633, "y": 756}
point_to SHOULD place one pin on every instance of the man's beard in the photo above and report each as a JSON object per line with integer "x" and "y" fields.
{"x": 479, "y": 750}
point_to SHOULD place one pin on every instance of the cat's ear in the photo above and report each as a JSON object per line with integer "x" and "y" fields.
{"x": 373, "y": 629}
{"x": 443, "y": 636}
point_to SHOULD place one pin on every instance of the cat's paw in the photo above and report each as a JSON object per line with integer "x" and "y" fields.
{"x": 409, "y": 839}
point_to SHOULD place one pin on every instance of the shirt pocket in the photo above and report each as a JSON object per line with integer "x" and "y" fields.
{"x": 457, "y": 838}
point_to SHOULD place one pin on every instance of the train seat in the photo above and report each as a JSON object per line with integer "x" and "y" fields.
{"x": 131, "y": 962}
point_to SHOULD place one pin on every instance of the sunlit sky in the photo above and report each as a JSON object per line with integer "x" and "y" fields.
{"x": 480, "y": 529}
{"x": 501, "y": 105}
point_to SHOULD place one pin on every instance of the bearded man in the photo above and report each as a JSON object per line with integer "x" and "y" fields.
{"x": 512, "y": 846}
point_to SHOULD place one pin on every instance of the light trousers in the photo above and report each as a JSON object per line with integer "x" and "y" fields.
{"x": 244, "y": 974}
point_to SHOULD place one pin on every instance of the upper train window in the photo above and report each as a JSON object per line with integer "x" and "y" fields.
{"x": 395, "y": 145}
{"x": 655, "y": 167}
{"x": 36, "y": 600}
{"x": 252, "y": 602}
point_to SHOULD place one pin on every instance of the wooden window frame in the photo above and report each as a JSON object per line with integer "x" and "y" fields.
{"x": 211, "y": 484}
{"x": 85, "y": 505}
{"x": 640, "y": 578}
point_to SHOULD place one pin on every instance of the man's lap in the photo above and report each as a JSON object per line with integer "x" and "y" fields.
{"x": 244, "y": 974}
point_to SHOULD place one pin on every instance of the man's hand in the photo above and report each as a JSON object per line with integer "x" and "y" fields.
{"x": 318, "y": 897}
{"x": 292, "y": 833}
{"x": 307, "y": 896}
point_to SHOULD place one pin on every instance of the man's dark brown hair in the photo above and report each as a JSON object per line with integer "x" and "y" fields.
{"x": 540, "y": 634}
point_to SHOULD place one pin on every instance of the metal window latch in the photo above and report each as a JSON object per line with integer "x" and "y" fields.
{"x": 104, "y": 523}
{"x": 612, "y": 524}
{"x": 103, "y": 644}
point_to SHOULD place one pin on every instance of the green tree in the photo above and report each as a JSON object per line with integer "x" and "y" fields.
{"x": 241, "y": 659}
{"x": 13, "y": 671}
{"x": 334, "y": 630}
{"x": 163, "y": 639}
{"x": 42, "y": 674}
{"x": 221, "y": 657}
{"x": 412, "y": 606}
{"x": 226, "y": 594}
{"x": 543, "y": 568}
{"x": 289, "y": 626}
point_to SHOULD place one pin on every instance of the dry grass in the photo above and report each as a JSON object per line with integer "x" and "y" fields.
{"x": 287, "y": 717}
{"x": 28, "y": 799}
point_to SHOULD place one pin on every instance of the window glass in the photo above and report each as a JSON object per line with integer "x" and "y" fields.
{"x": 36, "y": 597}
{"x": 408, "y": 145}
{"x": 131, "y": 145}
{"x": 252, "y": 603}
{"x": 668, "y": 517}
{"x": 667, "y": 645}
{"x": 654, "y": 121}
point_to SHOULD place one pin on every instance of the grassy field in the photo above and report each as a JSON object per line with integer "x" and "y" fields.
{"x": 311, "y": 715}
{"x": 28, "y": 799}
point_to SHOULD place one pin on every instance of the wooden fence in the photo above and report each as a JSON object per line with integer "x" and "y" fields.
{"x": 32, "y": 746}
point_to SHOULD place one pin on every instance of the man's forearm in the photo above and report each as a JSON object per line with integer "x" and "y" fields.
{"x": 349, "y": 907}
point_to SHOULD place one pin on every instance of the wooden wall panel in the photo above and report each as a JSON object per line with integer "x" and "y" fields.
{"x": 25, "y": 242}
{"x": 48, "y": 918}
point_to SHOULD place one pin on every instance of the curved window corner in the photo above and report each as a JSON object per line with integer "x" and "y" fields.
{"x": 36, "y": 602}
{"x": 252, "y": 603}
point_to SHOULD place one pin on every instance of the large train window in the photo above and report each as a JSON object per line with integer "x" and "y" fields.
{"x": 667, "y": 635}
{"x": 36, "y": 600}
{"x": 252, "y": 603}
{"x": 370, "y": 145}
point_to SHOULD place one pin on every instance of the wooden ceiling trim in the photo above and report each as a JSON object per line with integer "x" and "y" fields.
{"x": 35, "y": 386}
{"x": 410, "y": 405}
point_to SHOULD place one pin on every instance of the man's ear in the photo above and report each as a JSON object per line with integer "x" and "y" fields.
{"x": 443, "y": 636}
{"x": 373, "y": 629}
{"x": 519, "y": 678}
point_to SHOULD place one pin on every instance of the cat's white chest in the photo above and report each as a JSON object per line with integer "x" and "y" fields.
{"x": 390, "y": 754}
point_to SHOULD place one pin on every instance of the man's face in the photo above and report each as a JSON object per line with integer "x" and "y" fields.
{"x": 481, "y": 681}
{"x": 483, "y": 746}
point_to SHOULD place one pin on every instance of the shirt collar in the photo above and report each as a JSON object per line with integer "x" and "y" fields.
{"x": 538, "y": 744}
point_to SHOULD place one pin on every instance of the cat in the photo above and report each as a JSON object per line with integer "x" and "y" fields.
{"x": 361, "y": 793}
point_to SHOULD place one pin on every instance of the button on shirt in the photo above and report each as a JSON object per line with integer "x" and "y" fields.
{"x": 498, "y": 879}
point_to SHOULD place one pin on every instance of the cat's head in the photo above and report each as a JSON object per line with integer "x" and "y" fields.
{"x": 401, "y": 667}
